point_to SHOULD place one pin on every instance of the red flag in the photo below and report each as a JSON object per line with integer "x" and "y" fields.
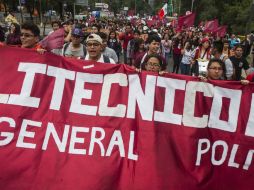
{"x": 150, "y": 23}
{"x": 92, "y": 19}
{"x": 221, "y": 31}
{"x": 53, "y": 41}
{"x": 211, "y": 25}
{"x": 163, "y": 11}
{"x": 186, "y": 20}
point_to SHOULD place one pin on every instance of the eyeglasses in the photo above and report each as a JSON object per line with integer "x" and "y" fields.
{"x": 93, "y": 44}
{"x": 26, "y": 35}
{"x": 153, "y": 65}
{"x": 216, "y": 68}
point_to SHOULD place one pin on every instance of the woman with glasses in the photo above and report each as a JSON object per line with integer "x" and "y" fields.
{"x": 153, "y": 63}
{"x": 216, "y": 70}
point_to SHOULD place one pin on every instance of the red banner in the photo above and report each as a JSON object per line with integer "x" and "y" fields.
{"x": 54, "y": 40}
{"x": 186, "y": 21}
{"x": 71, "y": 124}
{"x": 211, "y": 26}
{"x": 221, "y": 31}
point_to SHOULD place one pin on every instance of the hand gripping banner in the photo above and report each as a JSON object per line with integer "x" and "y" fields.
{"x": 70, "y": 124}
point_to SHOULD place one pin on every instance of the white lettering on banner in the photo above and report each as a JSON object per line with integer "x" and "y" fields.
{"x": 61, "y": 75}
{"x": 24, "y": 98}
{"x": 77, "y": 137}
{"x": 60, "y": 144}
{"x": 234, "y": 107}
{"x": 171, "y": 86}
{"x": 250, "y": 125}
{"x": 224, "y": 152}
{"x": 8, "y": 136}
{"x": 120, "y": 109}
{"x": 231, "y": 161}
{"x": 4, "y": 98}
{"x": 81, "y": 93}
{"x": 24, "y": 133}
{"x": 192, "y": 88}
{"x": 145, "y": 100}
{"x": 218, "y": 151}
{"x": 138, "y": 97}
{"x": 95, "y": 139}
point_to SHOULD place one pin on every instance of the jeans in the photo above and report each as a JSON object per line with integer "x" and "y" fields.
{"x": 185, "y": 69}
{"x": 177, "y": 60}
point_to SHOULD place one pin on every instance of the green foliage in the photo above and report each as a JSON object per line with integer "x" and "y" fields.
{"x": 238, "y": 15}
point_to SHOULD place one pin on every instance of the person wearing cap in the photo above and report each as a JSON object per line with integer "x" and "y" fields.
{"x": 94, "y": 50}
{"x": 203, "y": 54}
{"x": 75, "y": 48}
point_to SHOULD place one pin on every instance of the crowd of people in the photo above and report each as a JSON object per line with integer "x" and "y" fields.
{"x": 154, "y": 48}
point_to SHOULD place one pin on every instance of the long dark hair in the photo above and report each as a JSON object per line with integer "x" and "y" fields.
{"x": 17, "y": 28}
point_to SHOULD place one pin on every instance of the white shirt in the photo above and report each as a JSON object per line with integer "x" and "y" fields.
{"x": 188, "y": 56}
{"x": 101, "y": 60}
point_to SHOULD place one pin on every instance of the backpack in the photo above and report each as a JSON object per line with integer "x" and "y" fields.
{"x": 67, "y": 45}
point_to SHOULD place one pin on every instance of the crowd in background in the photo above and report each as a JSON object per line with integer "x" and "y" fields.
{"x": 161, "y": 49}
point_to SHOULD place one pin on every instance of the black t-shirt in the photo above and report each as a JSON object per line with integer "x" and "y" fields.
{"x": 239, "y": 64}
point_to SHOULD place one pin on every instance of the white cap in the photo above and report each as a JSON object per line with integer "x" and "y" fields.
{"x": 94, "y": 37}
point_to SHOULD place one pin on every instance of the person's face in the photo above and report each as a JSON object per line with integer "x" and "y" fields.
{"x": 238, "y": 52}
{"x": 104, "y": 44}
{"x": 214, "y": 52}
{"x": 136, "y": 35}
{"x": 206, "y": 44}
{"x": 166, "y": 37}
{"x": 215, "y": 71}
{"x": 142, "y": 46}
{"x": 55, "y": 26}
{"x": 12, "y": 28}
{"x": 226, "y": 45}
{"x": 154, "y": 46}
{"x": 127, "y": 29}
{"x": 94, "y": 49}
{"x": 112, "y": 35}
{"x": 76, "y": 39}
{"x": 28, "y": 40}
{"x": 94, "y": 30}
{"x": 153, "y": 64}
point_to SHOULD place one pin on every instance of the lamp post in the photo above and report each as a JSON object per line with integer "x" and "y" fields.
{"x": 20, "y": 9}
{"x": 135, "y": 7}
{"x": 192, "y": 2}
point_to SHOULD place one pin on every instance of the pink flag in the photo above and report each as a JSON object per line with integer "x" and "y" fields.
{"x": 211, "y": 26}
{"x": 221, "y": 31}
{"x": 186, "y": 21}
{"x": 53, "y": 41}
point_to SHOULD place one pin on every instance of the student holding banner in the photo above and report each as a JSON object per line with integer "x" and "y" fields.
{"x": 29, "y": 36}
{"x": 216, "y": 70}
